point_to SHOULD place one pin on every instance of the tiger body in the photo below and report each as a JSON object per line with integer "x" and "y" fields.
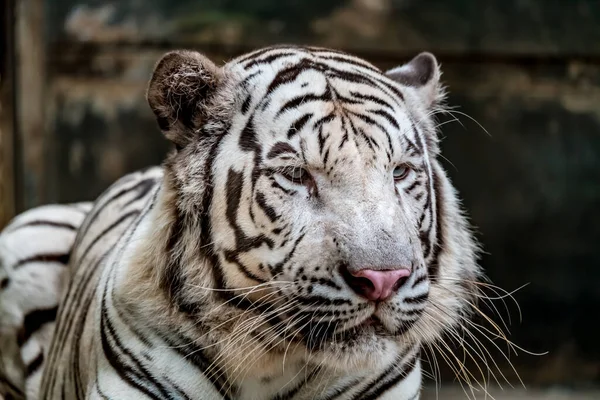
{"x": 34, "y": 252}
{"x": 73, "y": 348}
{"x": 131, "y": 357}
{"x": 301, "y": 242}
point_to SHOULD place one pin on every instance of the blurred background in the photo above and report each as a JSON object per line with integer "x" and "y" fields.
{"x": 73, "y": 118}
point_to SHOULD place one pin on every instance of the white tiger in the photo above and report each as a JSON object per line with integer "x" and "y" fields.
{"x": 34, "y": 252}
{"x": 302, "y": 242}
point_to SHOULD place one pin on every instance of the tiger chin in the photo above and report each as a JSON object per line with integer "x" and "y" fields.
{"x": 303, "y": 242}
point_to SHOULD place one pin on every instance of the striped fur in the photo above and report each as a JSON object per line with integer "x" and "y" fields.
{"x": 34, "y": 253}
{"x": 225, "y": 275}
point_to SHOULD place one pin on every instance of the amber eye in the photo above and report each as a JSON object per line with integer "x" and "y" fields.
{"x": 400, "y": 172}
{"x": 296, "y": 175}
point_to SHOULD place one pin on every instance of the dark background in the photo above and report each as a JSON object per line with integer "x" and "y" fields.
{"x": 74, "y": 118}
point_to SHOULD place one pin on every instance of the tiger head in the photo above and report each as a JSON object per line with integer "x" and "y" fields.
{"x": 305, "y": 195}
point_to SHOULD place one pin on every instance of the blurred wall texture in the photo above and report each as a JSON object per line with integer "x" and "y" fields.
{"x": 528, "y": 71}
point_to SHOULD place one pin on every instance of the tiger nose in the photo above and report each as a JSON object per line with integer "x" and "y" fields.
{"x": 376, "y": 285}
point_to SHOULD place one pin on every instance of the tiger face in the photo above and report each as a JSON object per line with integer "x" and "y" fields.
{"x": 307, "y": 181}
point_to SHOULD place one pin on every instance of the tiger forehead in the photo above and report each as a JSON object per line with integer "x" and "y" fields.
{"x": 328, "y": 133}
{"x": 298, "y": 56}
{"x": 272, "y": 69}
{"x": 335, "y": 104}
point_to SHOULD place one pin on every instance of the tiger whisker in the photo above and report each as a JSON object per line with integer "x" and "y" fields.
{"x": 259, "y": 286}
{"x": 235, "y": 340}
{"x": 465, "y": 347}
{"x": 198, "y": 339}
{"x": 267, "y": 347}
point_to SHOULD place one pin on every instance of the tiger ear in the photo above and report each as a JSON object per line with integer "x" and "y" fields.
{"x": 179, "y": 91}
{"x": 422, "y": 74}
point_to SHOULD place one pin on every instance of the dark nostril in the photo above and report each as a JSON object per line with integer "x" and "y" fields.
{"x": 358, "y": 284}
{"x": 400, "y": 283}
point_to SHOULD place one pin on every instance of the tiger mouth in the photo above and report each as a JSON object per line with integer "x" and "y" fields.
{"x": 370, "y": 325}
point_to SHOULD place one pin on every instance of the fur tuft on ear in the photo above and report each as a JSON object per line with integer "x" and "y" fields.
{"x": 181, "y": 86}
{"x": 422, "y": 74}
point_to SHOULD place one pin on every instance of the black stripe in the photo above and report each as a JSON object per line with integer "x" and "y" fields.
{"x": 232, "y": 257}
{"x": 14, "y": 390}
{"x": 105, "y": 198}
{"x": 379, "y": 82}
{"x": 411, "y": 147}
{"x": 34, "y": 365}
{"x": 322, "y": 300}
{"x": 440, "y": 240}
{"x": 419, "y": 141}
{"x": 278, "y": 268}
{"x": 298, "y": 124}
{"x": 269, "y": 59}
{"x": 417, "y": 299}
{"x": 257, "y": 53}
{"x": 383, "y": 386}
{"x": 321, "y": 140}
{"x": 412, "y": 186}
{"x": 106, "y": 231}
{"x": 268, "y": 210}
{"x": 419, "y": 280}
{"x": 248, "y": 140}
{"x": 372, "y": 98}
{"x": 124, "y": 362}
{"x": 191, "y": 350}
{"x": 425, "y": 241}
{"x": 127, "y": 373}
{"x": 51, "y": 257}
{"x": 321, "y": 121}
{"x": 98, "y": 390}
{"x": 246, "y": 104}
{"x": 142, "y": 190}
{"x": 294, "y": 102}
{"x": 244, "y": 84}
{"x": 350, "y": 60}
{"x": 390, "y": 119}
{"x": 280, "y": 148}
{"x": 171, "y": 278}
{"x": 338, "y": 393}
{"x": 4, "y": 282}
{"x": 235, "y": 183}
{"x": 109, "y": 197}
{"x": 379, "y": 385}
{"x": 33, "y": 321}
{"x": 368, "y": 120}
{"x": 276, "y": 185}
{"x": 42, "y": 223}
{"x": 288, "y": 75}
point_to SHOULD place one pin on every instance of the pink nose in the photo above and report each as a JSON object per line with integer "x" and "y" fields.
{"x": 377, "y": 285}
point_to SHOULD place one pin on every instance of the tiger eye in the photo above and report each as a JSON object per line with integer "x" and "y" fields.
{"x": 297, "y": 175}
{"x": 400, "y": 172}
